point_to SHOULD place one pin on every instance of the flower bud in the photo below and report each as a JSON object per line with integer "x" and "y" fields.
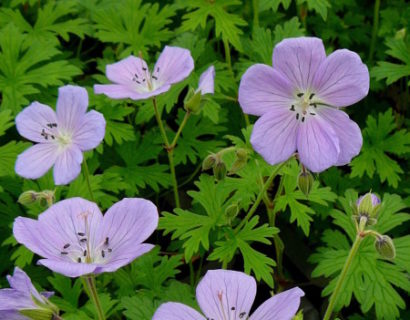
{"x": 305, "y": 182}
{"x": 385, "y": 247}
{"x": 368, "y": 205}
{"x": 37, "y": 314}
{"x": 232, "y": 211}
{"x": 240, "y": 161}
{"x": 28, "y": 197}
{"x": 209, "y": 162}
{"x": 219, "y": 170}
{"x": 192, "y": 102}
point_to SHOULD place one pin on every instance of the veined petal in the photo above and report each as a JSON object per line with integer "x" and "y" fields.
{"x": 69, "y": 269}
{"x": 225, "y": 294}
{"x": 128, "y": 72}
{"x": 318, "y": 144}
{"x": 68, "y": 165}
{"x": 282, "y": 306}
{"x": 264, "y": 89}
{"x": 206, "y": 81}
{"x": 342, "y": 79}
{"x": 36, "y": 160}
{"x": 298, "y": 59}
{"x": 72, "y": 104}
{"x": 21, "y": 282}
{"x": 176, "y": 311}
{"x": 11, "y": 315}
{"x": 11, "y": 299}
{"x": 116, "y": 91}
{"x": 347, "y": 131}
{"x": 274, "y": 135}
{"x": 90, "y": 131}
{"x": 33, "y": 120}
{"x": 174, "y": 65}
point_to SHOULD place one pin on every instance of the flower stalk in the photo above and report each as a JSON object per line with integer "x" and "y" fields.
{"x": 86, "y": 174}
{"x": 92, "y": 292}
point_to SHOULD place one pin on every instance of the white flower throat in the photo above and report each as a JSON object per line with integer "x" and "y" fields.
{"x": 51, "y": 132}
{"x": 145, "y": 80}
{"x": 304, "y": 105}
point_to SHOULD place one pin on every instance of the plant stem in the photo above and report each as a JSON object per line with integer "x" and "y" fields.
{"x": 342, "y": 277}
{"x": 255, "y": 13}
{"x": 227, "y": 54}
{"x": 191, "y": 274}
{"x": 170, "y": 152}
{"x": 86, "y": 174}
{"x": 181, "y": 127}
{"x": 375, "y": 29}
{"x": 92, "y": 292}
{"x": 260, "y": 196}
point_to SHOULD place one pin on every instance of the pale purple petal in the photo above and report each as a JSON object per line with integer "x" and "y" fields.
{"x": 298, "y": 59}
{"x": 274, "y": 135}
{"x": 72, "y": 104}
{"x": 375, "y": 199}
{"x": 225, "y": 294}
{"x": 12, "y": 315}
{"x": 36, "y": 160}
{"x": 90, "y": 131}
{"x": 347, "y": 131}
{"x": 176, "y": 311}
{"x": 174, "y": 65}
{"x": 68, "y": 165}
{"x": 318, "y": 144}
{"x": 123, "y": 72}
{"x": 14, "y": 299}
{"x": 69, "y": 269}
{"x": 264, "y": 89}
{"x": 282, "y": 306}
{"x": 342, "y": 79}
{"x": 206, "y": 81}
{"x": 32, "y": 120}
{"x": 116, "y": 91}
{"x": 21, "y": 282}
{"x": 123, "y": 256}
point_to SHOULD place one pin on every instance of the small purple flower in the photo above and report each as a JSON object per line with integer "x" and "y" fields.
{"x": 225, "y": 294}
{"x": 76, "y": 239}
{"x": 374, "y": 199}
{"x": 133, "y": 80}
{"x": 61, "y": 136}
{"x": 298, "y": 101}
{"x": 206, "y": 81}
{"x": 22, "y": 296}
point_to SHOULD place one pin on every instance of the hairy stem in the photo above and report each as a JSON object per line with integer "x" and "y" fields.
{"x": 342, "y": 277}
{"x": 169, "y": 151}
{"x": 86, "y": 174}
{"x": 92, "y": 292}
{"x": 375, "y": 29}
{"x": 181, "y": 127}
{"x": 255, "y": 4}
{"x": 227, "y": 54}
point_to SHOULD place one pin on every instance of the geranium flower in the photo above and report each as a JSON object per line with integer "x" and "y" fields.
{"x": 23, "y": 298}
{"x": 206, "y": 81}
{"x": 298, "y": 101}
{"x": 225, "y": 294}
{"x": 133, "y": 80}
{"x": 61, "y": 136}
{"x": 75, "y": 239}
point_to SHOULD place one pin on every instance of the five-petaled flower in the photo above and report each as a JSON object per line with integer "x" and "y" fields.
{"x": 23, "y": 299}
{"x": 298, "y": 101}
{"x": 61, "y": 136}
{"x": 229, "y": 295}
{"x": 132, "y": 78}
{"x": 76, "y": 239}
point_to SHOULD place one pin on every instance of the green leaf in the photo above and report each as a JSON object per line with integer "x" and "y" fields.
{"x": 6, "y": 121}
{"x": 133, "y": 24}
{"x": 380, "y": 139}
{"x": 9, "y": 153}
{"x": 227, "y": 25}
{"x": 320, "y": 6}
{"x": 25, "y": 68}
{"x": 273, "y": 4}
{"x": 371, "y": 280}
{"x": 70, "y": 291}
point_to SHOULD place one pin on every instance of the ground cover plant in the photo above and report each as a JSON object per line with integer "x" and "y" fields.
{"x": 204, "y": 159}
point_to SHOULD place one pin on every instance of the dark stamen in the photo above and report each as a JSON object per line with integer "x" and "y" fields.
{"x": 300, "y": 95}
{"x": 109, "y": 250}
{"x": 143, "y": 68}
{"x": 63, "y": 252}
{"x": 303, "y": 119}
{"x": 137, "y": 82}
{"x": 53, "y": 137}
{"x": 292, "y": 108}
{"x": 233, "y": 308}
{"x": 154, "y": 77}
{"x": 241, "y": 315}
{"x": 103, "y": 253}
{"x": 313, "y": 104}
{"x": 81, "y": 234}
{"x": 83, "y": 240}
{"x": 106, "y": 241}
{"x": 143, "y": 80}
{"x": 66, "y": 246}
{"x": 297, "y": 116}
{"x": 157, "y": 69}
{"x": 313, "y": 114}
{"x": 311, "y": 95}
{"x": 79, "y": 259}
{"x": 136, "y": 75}
{"x": 85, "y": 253}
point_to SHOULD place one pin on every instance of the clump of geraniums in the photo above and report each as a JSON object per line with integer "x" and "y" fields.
{"x": 62, "y": 135}
{"x": 298, "y": 101}
{"x": 365, "y": 213}
{"x": 226, "y": 294}
{"x": 22, "y": 301}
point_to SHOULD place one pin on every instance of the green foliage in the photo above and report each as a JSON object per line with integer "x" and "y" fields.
{"x": 381, "y": 138}
{"x": 320, "y": 6}
{"x": 372, "y": 280}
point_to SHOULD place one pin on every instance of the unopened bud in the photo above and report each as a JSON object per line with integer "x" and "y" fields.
{"x": 305, "y": 182}
{"x": 209, "y": 162}
{"x": 232, "y": 211}
{"x": 240, "y": 161}
{"x": 192, "y": 101}
{"x": 37, "y": 314}
{"x": 385, "y": 247}
{"x": 368, "y": 205}
{"x": 28, "y": 197}
{"x": 219, "y": 170}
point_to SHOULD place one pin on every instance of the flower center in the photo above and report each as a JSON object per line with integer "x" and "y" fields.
{"x": 304, "y": 105}
{"x": 64, "y": 139}
{"x": 146, "y": 81}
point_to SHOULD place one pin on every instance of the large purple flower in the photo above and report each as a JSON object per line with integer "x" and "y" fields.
{"x": 229, "y": 295}
{"x": 298, "y": 101}
{"x": 61, "y": 136}
{"x": 21, "y": 297}
{"x": 76, "y": 239}
{"x": 133, "y": 80}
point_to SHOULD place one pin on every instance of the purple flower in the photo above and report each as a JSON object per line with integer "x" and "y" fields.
{"x": 133, "y": 80}
{"x": 22, "y": 296}
{"x": 75, "y": 239}
{"x": 298, "y": 101}
{"x": 206, "y": 81}
{"x": 225, "y": 294}
{"x": 61, "y": 136}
